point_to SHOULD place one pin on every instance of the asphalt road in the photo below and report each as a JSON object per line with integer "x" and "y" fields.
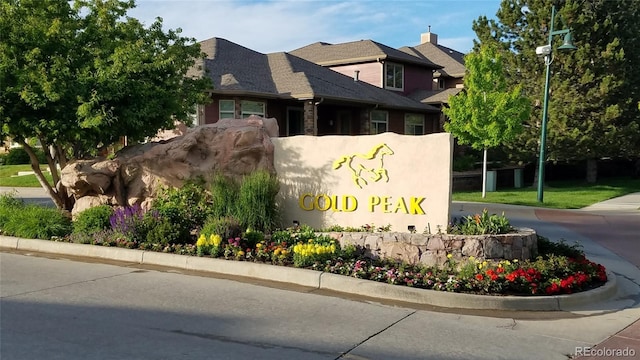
{"x": 56, "y": 308}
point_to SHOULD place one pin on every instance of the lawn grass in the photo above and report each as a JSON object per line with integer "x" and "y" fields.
{"x": 558, "y": 195}
{"x": 7, "y": 177}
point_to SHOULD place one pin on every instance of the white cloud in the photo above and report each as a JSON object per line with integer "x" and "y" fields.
{"x": 280, "y": 25}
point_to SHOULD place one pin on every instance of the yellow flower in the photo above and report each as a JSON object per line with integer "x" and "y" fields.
{"x": 480, "y": 266}
{"x": 258, "y": 245}
{"x": 215, "y": 240}
{"x": 240, "y": 253}
{"x": 449, "y": 256}
{"x": 472, "y": 258}
{"x": 201, "y": 240}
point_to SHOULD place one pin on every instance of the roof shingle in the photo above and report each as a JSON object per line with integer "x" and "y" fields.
{"x": 451, "y": 60}
{"x": 236, "y": 69}
{"x": 354, "y": 52}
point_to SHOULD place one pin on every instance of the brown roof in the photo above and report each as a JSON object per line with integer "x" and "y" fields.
{"x": 434, "y": 97}
{"x": 236, "y": 69}
{"x": 354, "y": 52}
{"x": 451, "y": 60}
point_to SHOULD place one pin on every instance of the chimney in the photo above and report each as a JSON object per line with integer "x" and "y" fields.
{"x": 429, "y": 37}
{"x": 356, "y": 75}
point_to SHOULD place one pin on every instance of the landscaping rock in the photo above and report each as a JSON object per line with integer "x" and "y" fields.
{"x": 232, "y": 147}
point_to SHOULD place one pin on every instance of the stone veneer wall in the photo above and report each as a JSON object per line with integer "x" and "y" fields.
{"x": 432, "y": 249}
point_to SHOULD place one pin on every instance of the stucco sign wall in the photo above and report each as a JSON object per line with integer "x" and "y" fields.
{"x": 380, "y": 179}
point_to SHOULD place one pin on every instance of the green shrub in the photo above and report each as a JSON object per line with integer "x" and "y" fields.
{"x": 227, "y": 227}
{"x": 224, "y": 193}
{"x": 547, "y": 248}
{"x": 464, "y": 162}
{"x": 37, "y": 222}
{"x": 9, "y": 205}
{"x": 186, "y": 208}
{"x": 256, "y": 201}
{"x": 252, "y": 237}
{"x": 19, "y": 156}
{"x": 162, "y": 231}
{"x": 480, "y": 224}
{"x": 93, "y": 219}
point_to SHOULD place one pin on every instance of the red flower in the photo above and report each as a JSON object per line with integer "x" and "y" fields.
{"x": 494, "y": 277}
{"x": 552, "y": 289}
{"x": 479, "y": 277}
{"x": 511, "y": 277}
{"x": 500, "y": 270}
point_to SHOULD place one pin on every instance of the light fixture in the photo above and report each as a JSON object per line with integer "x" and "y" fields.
{"x": 547, "y": 51}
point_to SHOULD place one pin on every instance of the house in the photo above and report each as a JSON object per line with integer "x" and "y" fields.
{"x": 428, "y": 73}
{"x": 448, "y": 80}
{"x": 310, "y": 99}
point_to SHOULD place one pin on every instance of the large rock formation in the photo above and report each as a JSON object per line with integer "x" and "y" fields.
{"x": 233, "y": 147}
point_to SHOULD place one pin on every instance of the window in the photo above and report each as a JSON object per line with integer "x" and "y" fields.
{"x": 394, "y": 76}
{"x": 379, "y": 122}
{"x": 227, "y": 109}
{"x": 249, "y": 108}
{"x": 414, "y": 124}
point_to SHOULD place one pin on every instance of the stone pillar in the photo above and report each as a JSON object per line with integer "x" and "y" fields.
{"x": 310, "y": 118}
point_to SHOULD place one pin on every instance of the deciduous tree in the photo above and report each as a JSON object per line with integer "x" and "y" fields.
{"x": 80, "y": 75}
{"x": 486, "y": 114}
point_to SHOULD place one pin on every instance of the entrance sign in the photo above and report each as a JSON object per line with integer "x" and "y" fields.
{"x": 379, "y": 180}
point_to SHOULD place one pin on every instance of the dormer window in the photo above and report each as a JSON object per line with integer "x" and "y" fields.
{"x": 394, "y": 76}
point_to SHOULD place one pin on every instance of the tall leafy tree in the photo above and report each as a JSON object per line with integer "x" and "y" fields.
{"x": 487, "y": 113}
{"x": 80, "y": 75}
{"x": 594, "y": 91}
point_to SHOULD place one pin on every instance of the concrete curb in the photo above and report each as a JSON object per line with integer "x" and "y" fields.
{"x": 320, "y": 280}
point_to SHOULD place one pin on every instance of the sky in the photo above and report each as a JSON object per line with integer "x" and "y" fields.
{"x": 284, "y": 25}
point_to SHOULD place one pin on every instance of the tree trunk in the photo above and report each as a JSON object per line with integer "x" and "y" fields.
{"x": 535, "y": 177}
{"x": 484, "y": 174}
{"x": 59, "y": 196}
{"x": 592, "y": 171}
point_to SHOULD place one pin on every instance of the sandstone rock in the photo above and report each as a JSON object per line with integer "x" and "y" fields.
{"x": 493, "y": 248}
{"x": 400, "y": 251}
{"x": 233, "y": 147}
{"x": 473, "y": 248}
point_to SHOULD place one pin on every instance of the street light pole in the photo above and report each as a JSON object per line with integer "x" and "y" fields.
{"x": 548, "y": 58}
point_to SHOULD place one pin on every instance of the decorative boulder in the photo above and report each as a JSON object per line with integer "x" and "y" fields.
{"x": 232, "y": 147}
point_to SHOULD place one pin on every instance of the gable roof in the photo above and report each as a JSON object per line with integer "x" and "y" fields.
{"x": 434, "y": 96}
{"x": 354, "y": 52}
{"x": 451, "y": 60}
{"x": 236, "y": 69}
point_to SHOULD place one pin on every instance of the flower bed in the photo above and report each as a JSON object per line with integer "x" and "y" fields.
{"x": 493, "y": 261}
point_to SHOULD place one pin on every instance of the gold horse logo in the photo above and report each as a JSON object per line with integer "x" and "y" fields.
{"x": 369, "y": 166}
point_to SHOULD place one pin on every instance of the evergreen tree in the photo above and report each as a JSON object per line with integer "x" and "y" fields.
{"x": 594, "y": 91}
